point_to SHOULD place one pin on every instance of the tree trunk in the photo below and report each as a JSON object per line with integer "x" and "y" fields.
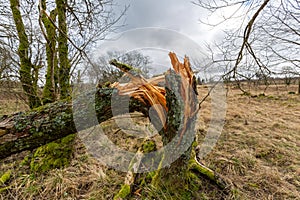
{"x": 64, "y": 64}
{"x": 26, "y": 66}
{"x": 49, "y": 91}
{"x": 26, "y": 131}
{"x": 178, "y": 173}
{"x": 181, "y": 119}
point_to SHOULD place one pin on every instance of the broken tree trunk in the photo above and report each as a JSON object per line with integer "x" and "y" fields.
{"x": 179, "y": 170}
{"x": 175, "y": 105}
{"x": 26, "y": 131}
{"x": 179, "y": 100}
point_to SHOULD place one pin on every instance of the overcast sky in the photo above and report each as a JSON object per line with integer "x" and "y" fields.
{"x": 178, "y": 15}
{"x": 177, "y": 29}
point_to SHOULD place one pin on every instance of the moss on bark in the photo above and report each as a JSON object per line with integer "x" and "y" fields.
{"x": 26, "y": 65}
{"x": 50, "y": 90}
{"x": 64, "y": 64}
{"x": 55, "y": 120}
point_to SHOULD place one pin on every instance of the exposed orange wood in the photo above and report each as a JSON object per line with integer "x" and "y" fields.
{"x": 187, "y": 90}
{"x": 148, "y": 91}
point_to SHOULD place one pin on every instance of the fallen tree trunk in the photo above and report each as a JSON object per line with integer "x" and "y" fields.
{"x": 28, "y": 130}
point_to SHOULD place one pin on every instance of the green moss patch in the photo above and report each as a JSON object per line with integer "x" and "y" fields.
{"x": 5, "y": 177}
{"x": 149, "y": 146}
{"x": 53, "y": 155}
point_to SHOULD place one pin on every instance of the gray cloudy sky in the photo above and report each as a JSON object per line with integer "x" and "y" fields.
{"x": 181, "y": 30}
{"x": 178, "y": 15}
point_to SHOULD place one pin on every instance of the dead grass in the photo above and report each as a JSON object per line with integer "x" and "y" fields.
{"x": 259, "y": 148}
{"x": 85, "y": 178}
{"x": 258, "y": 151}
{"x": 12, "y": 99}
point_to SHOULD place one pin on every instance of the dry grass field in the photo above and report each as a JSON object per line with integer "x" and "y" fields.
{"x": 11, "y": 98}
{"x": 258, "y": 152}
{"x": 259, "y": 149}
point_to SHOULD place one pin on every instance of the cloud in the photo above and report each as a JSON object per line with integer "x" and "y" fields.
{"x": 178, "y": 15}
{"x": 177, "y": 29}
{"x": 154, "y": 42}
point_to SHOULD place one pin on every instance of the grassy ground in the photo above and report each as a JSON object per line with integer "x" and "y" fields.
{"x": 258, "y": 152}
{"x": 11, "y": 99}
{"x": 259, "y": 148}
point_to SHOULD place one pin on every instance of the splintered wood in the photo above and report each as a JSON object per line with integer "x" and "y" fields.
{"x": 188, "y": 90}
{"x": 149, "y": 92}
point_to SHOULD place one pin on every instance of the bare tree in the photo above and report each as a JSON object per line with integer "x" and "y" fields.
{"x": 101, "y": 71}
{"x": 267, "y": 36}
{"x": 51, "y": 38}
{"x": 7, "y": 68}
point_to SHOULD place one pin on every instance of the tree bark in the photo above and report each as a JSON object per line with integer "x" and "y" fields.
{"x": 26, "y": 131}
{"x": 50, "y": 89}
{"x": 26, "y": 66}
{"x": 63, "y": 52}
{"x": 182, "y": 107}
{"x": 178, "y": 135}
